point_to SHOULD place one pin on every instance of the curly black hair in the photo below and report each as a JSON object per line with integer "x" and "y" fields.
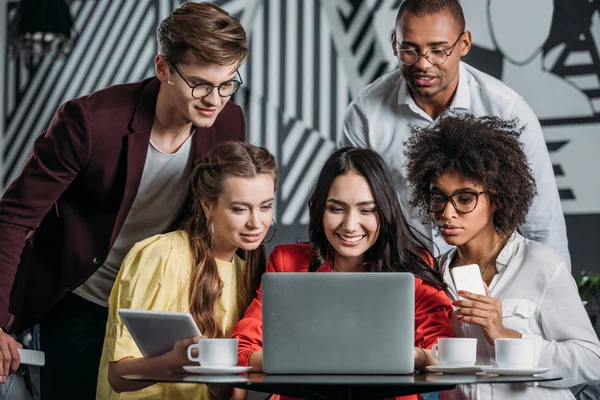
{"x": 486, "y": 151}
{"x": 430, "y": 7}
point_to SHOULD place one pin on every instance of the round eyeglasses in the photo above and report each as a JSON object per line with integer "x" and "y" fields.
{"x": 203, "y": 89}
{"x": 463, "y": 202}
{"x": 434, "y": 56}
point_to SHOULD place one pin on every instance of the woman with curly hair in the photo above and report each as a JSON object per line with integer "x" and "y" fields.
{"x": 470, "y": 178}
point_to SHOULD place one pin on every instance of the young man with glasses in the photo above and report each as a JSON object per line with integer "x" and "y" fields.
{"x": 112, "y": 169}
{"x": 429, "y": 40}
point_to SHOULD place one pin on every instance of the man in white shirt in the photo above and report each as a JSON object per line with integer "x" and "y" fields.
{"x": 429, "y": 41}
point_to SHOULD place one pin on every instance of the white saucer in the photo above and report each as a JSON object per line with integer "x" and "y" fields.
{"x": 198, "y": 369}
{"x": 216, "y": 378}
{"x": 454, "y": 370}
{"x": 515, "y": 371}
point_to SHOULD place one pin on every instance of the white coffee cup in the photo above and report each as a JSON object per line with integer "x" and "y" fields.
{"x": 218, "y": 352}
{"x": 515, "y": 353}
{"x": 455, "y": 352}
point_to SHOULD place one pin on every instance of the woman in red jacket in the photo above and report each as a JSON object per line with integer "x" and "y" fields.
{"x": 356, "y": 225}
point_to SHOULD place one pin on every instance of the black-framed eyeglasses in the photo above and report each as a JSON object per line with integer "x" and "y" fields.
{"x": 434, "y": 56}
{"x": 463, "y": 202}
{"x": 203, "y": 89}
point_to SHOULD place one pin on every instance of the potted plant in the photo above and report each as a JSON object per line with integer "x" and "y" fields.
{"x": 588, "y": 286}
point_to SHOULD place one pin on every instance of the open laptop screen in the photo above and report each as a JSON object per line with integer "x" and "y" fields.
{"x": 338, "y": 323}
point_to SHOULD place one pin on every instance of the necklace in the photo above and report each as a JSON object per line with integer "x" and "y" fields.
{"x": 488, "y": 265}
{"x": 460, "y": 259}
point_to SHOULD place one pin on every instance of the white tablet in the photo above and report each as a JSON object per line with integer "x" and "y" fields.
{"x": 156, "y": 332}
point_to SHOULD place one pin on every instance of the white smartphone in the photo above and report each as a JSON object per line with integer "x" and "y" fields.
{"x": 468, "y": 277}
{"x": 32, "y": 357}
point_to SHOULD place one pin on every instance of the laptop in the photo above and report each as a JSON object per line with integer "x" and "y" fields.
{"x": 338, "y": 323}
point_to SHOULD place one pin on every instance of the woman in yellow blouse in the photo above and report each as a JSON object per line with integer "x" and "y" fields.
{"x": 194, "y": 269}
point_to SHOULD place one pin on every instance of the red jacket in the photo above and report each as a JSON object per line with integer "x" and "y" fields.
{"x": 432, "y": 306}
{"x": 60, "y": 217}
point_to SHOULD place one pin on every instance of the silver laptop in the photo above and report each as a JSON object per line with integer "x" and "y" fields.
{"x": 338, "y": 323}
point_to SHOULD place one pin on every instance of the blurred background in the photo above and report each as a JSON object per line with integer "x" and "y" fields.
{"x": 308, "y": 59}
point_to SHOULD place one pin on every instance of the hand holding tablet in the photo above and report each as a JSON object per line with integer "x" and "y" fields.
{"x": 156, "y": 332}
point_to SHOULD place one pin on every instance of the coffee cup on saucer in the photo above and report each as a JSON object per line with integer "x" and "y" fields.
{"x": 515, "y": 353}
{"x": 455, "y": 352}
{"x": 215, "y": 352}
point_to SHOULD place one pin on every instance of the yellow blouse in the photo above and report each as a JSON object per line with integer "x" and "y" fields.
{"x": 155, "y": 275}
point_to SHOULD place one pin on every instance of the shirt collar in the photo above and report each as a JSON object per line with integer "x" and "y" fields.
{"x": 508, "y": 251}
{"x": 502, "y": 260}
{"x": 404, "y": 97}
{"x": 462, "y": 97}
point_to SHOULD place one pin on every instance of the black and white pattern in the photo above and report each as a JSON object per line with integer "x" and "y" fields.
{"x": 308, "y": 59}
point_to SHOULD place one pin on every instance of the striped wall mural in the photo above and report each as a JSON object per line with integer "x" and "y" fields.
{"x": 308, "y": 59}
{"x": 115, "y": 44}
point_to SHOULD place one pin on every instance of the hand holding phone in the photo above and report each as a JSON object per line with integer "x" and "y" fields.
{"x": 468, "y": 278}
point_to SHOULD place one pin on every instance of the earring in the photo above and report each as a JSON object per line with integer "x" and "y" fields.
{"x": 212, "y": 234}
{"x": 273, "y": 235}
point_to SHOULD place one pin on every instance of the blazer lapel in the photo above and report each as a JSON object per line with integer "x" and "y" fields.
{"x": 202, "y": 142}
{"x": 137, "y": 141}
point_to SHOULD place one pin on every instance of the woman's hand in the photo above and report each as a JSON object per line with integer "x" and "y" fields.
{"x": 170, "y": 362}
{"x": 423, "y": 358}
{"x": 485, "y": 311}
{"x": 177, "y": 358}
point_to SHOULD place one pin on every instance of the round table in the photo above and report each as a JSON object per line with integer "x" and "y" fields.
{"x": 341, "y": 386}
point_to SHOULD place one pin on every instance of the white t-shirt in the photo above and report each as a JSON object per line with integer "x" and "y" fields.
{"x": 161, "y": 194}
{"x": 382, "y": 114}
{"x": 540, "y": 301}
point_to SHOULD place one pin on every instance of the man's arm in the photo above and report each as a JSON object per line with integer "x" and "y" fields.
{"x": 58, "y": 156}
{"x": 545, "y": 222}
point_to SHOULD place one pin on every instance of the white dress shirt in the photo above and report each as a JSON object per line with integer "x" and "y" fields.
{"x": 382, "y": 114}
{"x": 540, "y": 301}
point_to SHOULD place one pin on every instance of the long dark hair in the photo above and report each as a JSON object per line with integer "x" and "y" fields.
{"x": 237, "y": 159}
{"x": 397, "y": 249}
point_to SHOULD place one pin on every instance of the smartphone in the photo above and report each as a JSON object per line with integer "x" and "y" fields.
{"x": 468, "y": 277}
{"x": 32, "y": 357}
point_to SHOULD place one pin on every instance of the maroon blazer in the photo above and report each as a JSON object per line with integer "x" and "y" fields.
{"x": 60, "y": 217}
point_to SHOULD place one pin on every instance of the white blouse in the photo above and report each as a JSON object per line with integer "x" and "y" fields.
{"x": 539, "y": 300}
